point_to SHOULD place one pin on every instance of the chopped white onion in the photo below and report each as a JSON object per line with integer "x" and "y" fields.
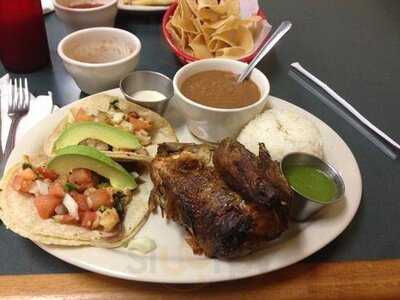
{"x": 117, "y": 117}
{"x": 39, "y": 187}
{"x": 61, "y": 209}
{"x": 143, "y": 245}
{"x": 89, "y": 202}
{"x": 126, "y": 125}
{"x": 92, "y": 111}
{"x": 135, "y": 174}
{"x": 71, "y": 206}
{"x": 101, "y": 146}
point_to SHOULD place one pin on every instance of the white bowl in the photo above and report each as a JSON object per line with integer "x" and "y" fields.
{"x": 79, "y": 18}
{"x": 213, "y": 124}
{"x": 98, "y": 58}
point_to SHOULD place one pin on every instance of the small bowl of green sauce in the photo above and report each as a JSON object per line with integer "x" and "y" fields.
{"x": 315, "y": 183}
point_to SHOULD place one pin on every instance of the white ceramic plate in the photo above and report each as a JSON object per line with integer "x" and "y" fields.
{"x": 173, "y": 260}
{"x": 142, "y": 8}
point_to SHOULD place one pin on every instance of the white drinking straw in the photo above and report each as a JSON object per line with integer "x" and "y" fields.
{"x": 345, "y": 104}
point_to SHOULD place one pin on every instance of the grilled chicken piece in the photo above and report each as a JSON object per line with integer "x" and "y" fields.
{"x": 219, "y": 221}
{"x": 255, "y": 178}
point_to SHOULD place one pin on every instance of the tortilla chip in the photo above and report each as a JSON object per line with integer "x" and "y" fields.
{"x": 215, "y": 44}
{"x": 184, "y": 25}
{"x": 211, "y": 10}
{"x": 230, "y": 52}
{"x": 177, "y": 34}
{"x": 231, "y": 22}
{"x": 242, "y": 39}
{"x": 192, "y": 5}
{"x": 186, "y": 10}
{"x": 162, "y": 131}
{"x": 199, "y": 47}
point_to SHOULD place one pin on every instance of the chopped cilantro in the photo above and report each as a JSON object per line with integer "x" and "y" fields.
{"x": 26, "y": 166}
{"x": 103, "y": 185}
{"x": 125, "y": 244}
{"x": 104, "y": 181}
{"x": 119, "y": 203}
{"x": 102, "y": 209}
{"x": 114, "y": 104}
{"x": 69, "y": 187}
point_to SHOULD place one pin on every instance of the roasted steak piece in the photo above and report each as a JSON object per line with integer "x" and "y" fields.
{"x": 220, "y": 221}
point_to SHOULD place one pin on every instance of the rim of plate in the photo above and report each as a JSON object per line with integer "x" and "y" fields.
{"x": 84, "y": 10}
{"x": 160, "y": 278}
{"x": 142, "y": 8}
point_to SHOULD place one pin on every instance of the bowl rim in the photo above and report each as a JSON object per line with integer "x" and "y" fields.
{"x": 189, "y": 58}
{"x": 263, "y": 97}
{"x": 337, "y": 198}
{"x": 65, "y": 58}
{"x": 82, "y": 10}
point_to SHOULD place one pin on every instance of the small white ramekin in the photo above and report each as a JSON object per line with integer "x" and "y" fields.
{"x": 96, "y": 77}
{"x": 79, "y": 18}
{"x": 213, "y": 124}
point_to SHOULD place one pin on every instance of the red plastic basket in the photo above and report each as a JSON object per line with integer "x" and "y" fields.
{"x": 187, "y": 58}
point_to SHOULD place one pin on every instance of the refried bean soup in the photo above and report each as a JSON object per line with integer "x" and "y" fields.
{"x": 220, "y": 89}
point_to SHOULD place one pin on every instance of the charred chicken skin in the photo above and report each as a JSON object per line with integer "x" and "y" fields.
{"x": 221, "y": 221}
{"x": 255, "y": 178}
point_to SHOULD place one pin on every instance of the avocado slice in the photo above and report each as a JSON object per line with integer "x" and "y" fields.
{"x": 77, "y": 132}
{"x": 79, "y": 156}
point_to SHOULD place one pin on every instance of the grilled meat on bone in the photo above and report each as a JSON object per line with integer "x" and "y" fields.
{"x": 221, "y": 221}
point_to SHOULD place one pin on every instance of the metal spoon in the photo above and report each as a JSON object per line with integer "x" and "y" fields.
{"x": 269, "y": 44}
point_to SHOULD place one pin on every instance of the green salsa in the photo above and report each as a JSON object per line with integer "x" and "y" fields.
{"x": 311, "y": 182}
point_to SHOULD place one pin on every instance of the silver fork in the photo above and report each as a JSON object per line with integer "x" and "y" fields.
{"x": 18, "y": 106}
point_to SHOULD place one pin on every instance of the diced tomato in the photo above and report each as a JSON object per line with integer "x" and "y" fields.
{"x": 22, "y": 185}
{"x": 99, "y": 198}
{"x": 82, "y": 115}
{"x": 139, "y": 124}
{"x": 46, "y": 204}
{"x": 87, "y": 218}
{"x": 47, "y": 173}
{"x": 83, "y": 179}
{"x": 68, "y": 219}
{"x": 80, "y": 199}
{"x": 28, "y": 174}
{"x": 133, "y": 114}
{"x": 56, "y": 189}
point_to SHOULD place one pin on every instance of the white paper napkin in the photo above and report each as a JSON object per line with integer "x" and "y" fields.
{"x": 40, "y": 107}
{"x": 248, "y": 8}
{"x": 47, "y": 6}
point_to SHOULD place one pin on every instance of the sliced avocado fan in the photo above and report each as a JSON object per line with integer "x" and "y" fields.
{"x": 77, "y": 132}
{"x": 78, "y": 156}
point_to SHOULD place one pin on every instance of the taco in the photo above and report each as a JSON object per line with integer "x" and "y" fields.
{"x": 78, "y": 197}
{"x": 120, "y": 129}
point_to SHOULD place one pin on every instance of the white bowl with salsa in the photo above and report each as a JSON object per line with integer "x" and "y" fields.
{"x": 213, "y": 105}
{"x": 79, "y": 14}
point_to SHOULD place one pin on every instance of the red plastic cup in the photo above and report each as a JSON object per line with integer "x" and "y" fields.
{"x": 23, "y": 40}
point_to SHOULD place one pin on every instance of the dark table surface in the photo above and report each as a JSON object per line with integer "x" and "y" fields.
{"x": 353, "y": 45}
